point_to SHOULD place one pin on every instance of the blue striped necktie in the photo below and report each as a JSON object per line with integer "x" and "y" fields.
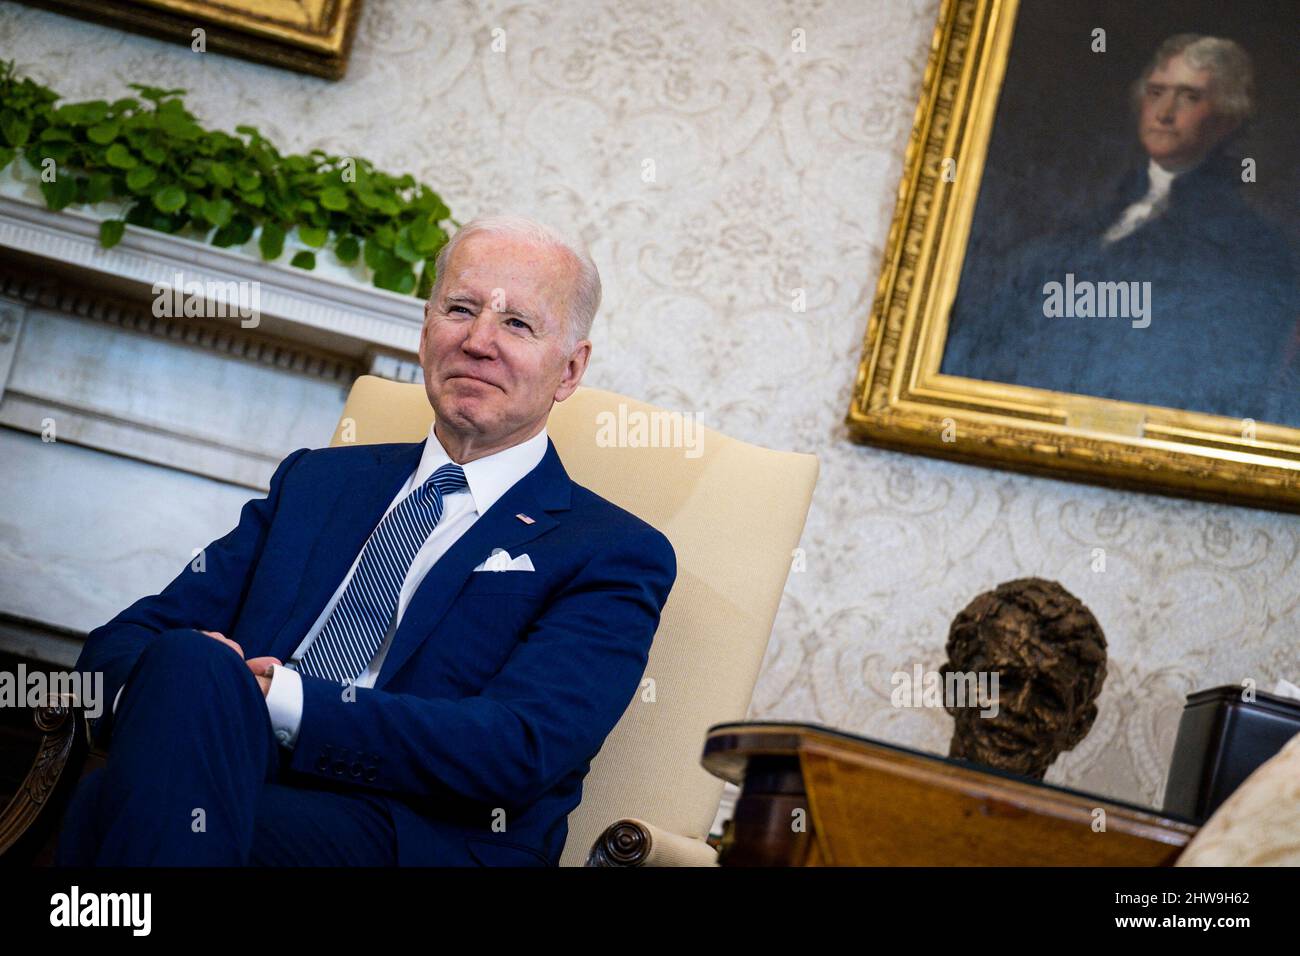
{"x": 357, "y": 625}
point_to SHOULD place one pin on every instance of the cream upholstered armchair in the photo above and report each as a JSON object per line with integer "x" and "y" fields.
{"x": 734, "y": 513}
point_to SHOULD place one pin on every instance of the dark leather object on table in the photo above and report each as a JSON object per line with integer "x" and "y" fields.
{"x": 1221, "y": 740}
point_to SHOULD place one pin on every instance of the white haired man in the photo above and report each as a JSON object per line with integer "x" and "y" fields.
{"x": 1219, "y": 323}
{"x": 439, "y": 702}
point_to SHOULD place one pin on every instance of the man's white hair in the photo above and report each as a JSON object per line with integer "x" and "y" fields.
{"x": 584, "y": 300}
{"x": 1233, "y": 86}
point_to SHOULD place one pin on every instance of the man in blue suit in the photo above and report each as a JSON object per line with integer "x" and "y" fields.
{"x": 405, "y": 653}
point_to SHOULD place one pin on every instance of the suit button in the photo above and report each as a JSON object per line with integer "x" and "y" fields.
{"x": 356, "y": 769}
{"x": 340, "y": 768}
{"x": 323, "y": 763}
{"x": 371, "y": 774}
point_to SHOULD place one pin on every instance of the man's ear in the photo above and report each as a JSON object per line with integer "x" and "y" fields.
{"x": 574, "y": 369}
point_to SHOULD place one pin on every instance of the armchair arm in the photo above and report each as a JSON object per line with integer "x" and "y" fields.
{"x": 633, "y": 842}
{"x": 33, "y": 814}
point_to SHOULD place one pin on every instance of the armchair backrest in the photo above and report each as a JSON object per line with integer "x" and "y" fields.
{"x": 734, "y": 513}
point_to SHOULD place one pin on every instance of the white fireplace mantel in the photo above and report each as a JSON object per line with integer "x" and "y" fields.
{"x": 330, "y": 307}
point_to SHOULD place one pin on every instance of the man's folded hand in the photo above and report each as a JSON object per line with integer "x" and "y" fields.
{"x": 260, "y": 666}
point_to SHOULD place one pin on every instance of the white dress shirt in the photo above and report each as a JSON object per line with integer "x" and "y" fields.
{"x": 488, "y": 478}
{"x": 1148, "y": 207}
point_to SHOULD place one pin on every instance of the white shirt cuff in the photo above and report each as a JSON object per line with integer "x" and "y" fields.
{"x": 284, "y": 704}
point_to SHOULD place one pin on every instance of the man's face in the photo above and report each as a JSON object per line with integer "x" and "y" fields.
{"x": 1178, "y": 122}
{"x": 492, "y": 347}
{"x": 1039, "y": 714}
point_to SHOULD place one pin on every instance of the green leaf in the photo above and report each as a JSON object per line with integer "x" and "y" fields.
{"x": 221, "y": 175}
{"x": 271, "y": 242}
{"x": 98, "y": 188}
{"x": 248, "y": 181}
{"x": 60, "y": 192}
{"x": 138, "y": 179}
{"x": 396, "y": 279}
{"x": 427, "y": 237}
{"x": 179, "y": 126}
{"x": 218, "y": 211}
{"x": 169, "y": 198}
{"x": 347, "y": 249}
{"x": 14, "y": 128}
{"x": 376, "y": 256}
{"x": 236, "y": 233}
{"x": 59, "y": 152}
{"x": 333, "y": 197}
{"x": 313, "y": 236}
{"x": 110, "y": 232}
{"x": 6, "y": 156}
{"x": 304, "y": 260}
{"x": 154, "y": 93}
{"x": 153, "y": 152}
{"x": 119, "y": 156}
{"x": 162, "y": 223}
{"x": 104, "y": 133}
{"x": 403, "y": 248}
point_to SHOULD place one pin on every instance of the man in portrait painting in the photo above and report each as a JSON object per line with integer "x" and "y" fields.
{"x": 1176, "y": 293}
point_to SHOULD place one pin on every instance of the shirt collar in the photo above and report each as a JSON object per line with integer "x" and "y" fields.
{"x": 488, "y": 477}
{"x": 1160, "y": 178}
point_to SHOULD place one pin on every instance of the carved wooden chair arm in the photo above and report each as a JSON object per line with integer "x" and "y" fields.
{"x": 633, "y": 842}
{"x": 33, "y": 814}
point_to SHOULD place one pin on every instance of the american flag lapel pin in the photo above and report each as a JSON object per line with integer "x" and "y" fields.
{"x": 524, "y": 518}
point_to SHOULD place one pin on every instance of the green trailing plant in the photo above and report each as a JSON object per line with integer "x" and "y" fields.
{"x": 172, "y": 175}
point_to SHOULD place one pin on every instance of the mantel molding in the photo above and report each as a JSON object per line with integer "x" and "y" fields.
{"x": 339, "y": 315}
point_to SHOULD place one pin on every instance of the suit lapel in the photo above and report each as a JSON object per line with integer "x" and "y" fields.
{"x": 546, "y": 488}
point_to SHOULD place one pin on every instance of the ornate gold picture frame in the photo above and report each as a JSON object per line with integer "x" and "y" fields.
{"x": 901, "y": 399}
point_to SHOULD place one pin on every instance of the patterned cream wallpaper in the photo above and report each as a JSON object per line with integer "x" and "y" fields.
{"x": 772, "y": 170}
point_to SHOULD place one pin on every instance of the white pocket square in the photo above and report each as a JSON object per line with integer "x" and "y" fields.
{"x": 500, "y": 560}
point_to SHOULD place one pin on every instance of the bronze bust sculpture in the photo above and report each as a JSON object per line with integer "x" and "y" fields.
{"x": 1049, "y": 655}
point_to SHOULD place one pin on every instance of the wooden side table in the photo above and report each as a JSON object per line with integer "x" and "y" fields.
{"x": 812, "y": 796}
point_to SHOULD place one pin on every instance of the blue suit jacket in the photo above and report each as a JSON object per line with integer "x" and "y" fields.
{"x": 499, "y": 687}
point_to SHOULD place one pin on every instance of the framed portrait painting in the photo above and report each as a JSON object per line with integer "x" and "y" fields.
{"x": 1092, "y": 268}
